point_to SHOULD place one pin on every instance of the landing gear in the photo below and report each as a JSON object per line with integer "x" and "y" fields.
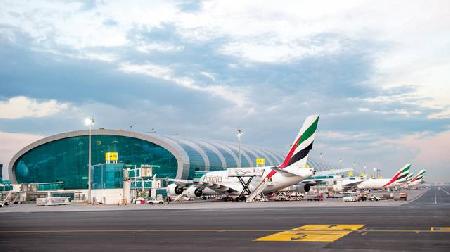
{"x": 236, "y": 199}
{"x": 241, "y": 198}
{"x": 227, "y": 198}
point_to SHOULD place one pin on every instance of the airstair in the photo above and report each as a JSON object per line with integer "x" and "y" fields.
{"x": 258, "y": 190}
{"x": 179, "y": 196}
{"x": 10, "y": 197}
{"x": 248, "y": 173}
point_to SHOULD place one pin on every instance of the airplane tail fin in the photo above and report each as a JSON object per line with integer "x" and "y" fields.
{"x": 401, "y": 175}
{"x": 302, "y": 145}
{"x": 296, "y": 157}
{"x": 419, "y": 175}
{"x": 410, "y": 177}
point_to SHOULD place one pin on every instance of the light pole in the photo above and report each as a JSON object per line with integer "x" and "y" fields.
{"x": 239, "y": 134}
{"x": 89, "y": 122}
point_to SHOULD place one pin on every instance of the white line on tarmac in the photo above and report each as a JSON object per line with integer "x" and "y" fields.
{"x": 418, "y": 195}
{"x": 137, "y": 230}
{"x": 448, "y": 193}
{"x": 431, "y": 230}
{"x": 435, "y": 197}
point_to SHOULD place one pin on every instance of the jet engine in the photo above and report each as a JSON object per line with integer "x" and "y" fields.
{"x": 302, "y": 188}
{"x": 174, "y": 189}
{"x": 194, "y": 191}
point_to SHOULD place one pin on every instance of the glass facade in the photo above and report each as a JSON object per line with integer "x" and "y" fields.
{"x": 66, "y": 159}
{"x": 195, "y": 159}
{"x": 244, "y": 161}
{"x": 107, "y": 176}
{"x": 50, "y": 186}
{"x": 63, "y": 158}
{"x": 5, "y": 185}
{"x": 269, "y": 159}
{"x": 141, "y": 184}
{"x": 252, "y": 157}
{"x": 214, "y": 161}
{"x": 229, "y": 160}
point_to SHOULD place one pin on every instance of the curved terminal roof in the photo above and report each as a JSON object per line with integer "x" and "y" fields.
{"x": 212, "y": 155}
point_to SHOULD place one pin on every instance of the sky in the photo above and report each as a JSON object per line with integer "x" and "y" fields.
{"x": 377, "y": 73}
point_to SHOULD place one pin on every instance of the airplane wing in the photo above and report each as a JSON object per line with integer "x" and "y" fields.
{"x": 219, "y": 188}
{"x": 284, "y": 172}
{"x": 333, "y": 172}
{"x": 353, "y": 184}
{"x": 315, "y": 181}
{"x": 182, "y": 182}
{"x": 311, "y": 182}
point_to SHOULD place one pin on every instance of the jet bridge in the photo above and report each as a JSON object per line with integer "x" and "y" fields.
{"x": 248, "y": 173}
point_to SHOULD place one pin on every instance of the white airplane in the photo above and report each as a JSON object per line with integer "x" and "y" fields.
{"x": 399, "y": 177}
{"x": 272, "y": 178}
{"x": 332, "y": 176}
{"x": 418, "y": 179}
{"x": 344, "y": 184}
{"x": 405, "y": 182}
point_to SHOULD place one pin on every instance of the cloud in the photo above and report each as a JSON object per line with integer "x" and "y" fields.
{"x": 21, "y": 106}
{"x": 402, "y": 112}
{"x": 346, "y": 136}
{"x": 401, "y": 101}
{"x": 443, "y": 114}
{"x": 208, "y": 75}
{"x": 233, "y": 95}
{"x": 425, "y": 150}
{"x": 69, "y": 24}
{"x": 429, "y": 151}
{"x": 407, "y": 41}
{"x": 81, "y": 55}
{"x": 158, "y": 47}
{"x": 270, "y": 51}
{"x": 16, "y": 141}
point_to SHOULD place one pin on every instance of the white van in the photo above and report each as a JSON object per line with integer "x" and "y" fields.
{"x": 350, "y": 197}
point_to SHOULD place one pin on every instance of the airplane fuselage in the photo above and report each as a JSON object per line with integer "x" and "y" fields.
{"x": 375, "y": 184}
{"x": 219, "y": 181}
{"x": 415, "y": 182}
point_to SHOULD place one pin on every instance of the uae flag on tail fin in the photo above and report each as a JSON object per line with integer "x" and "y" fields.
{"x": 400, "y": 176}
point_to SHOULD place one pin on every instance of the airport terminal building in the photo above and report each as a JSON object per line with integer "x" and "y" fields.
{"x": 63, "y": 158}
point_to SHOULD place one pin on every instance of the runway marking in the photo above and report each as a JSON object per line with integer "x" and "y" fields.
{"x": 303, "y": 229}
{"x": 435, "y": 198}
{"x": 440, "y": 229}
{"x": 431, "y": 230}
{"x": 138, "y": 230}
{"x": 312, "y": 233}
{"x": 448, "y": 193}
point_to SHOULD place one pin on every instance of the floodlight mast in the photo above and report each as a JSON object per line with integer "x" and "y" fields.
{"x": 90, "y": 122}
{"x": 239, "y": 134}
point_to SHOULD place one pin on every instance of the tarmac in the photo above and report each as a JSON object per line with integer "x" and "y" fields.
{"x": 422, "y": 223}
{"x": 201, "y": 204}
